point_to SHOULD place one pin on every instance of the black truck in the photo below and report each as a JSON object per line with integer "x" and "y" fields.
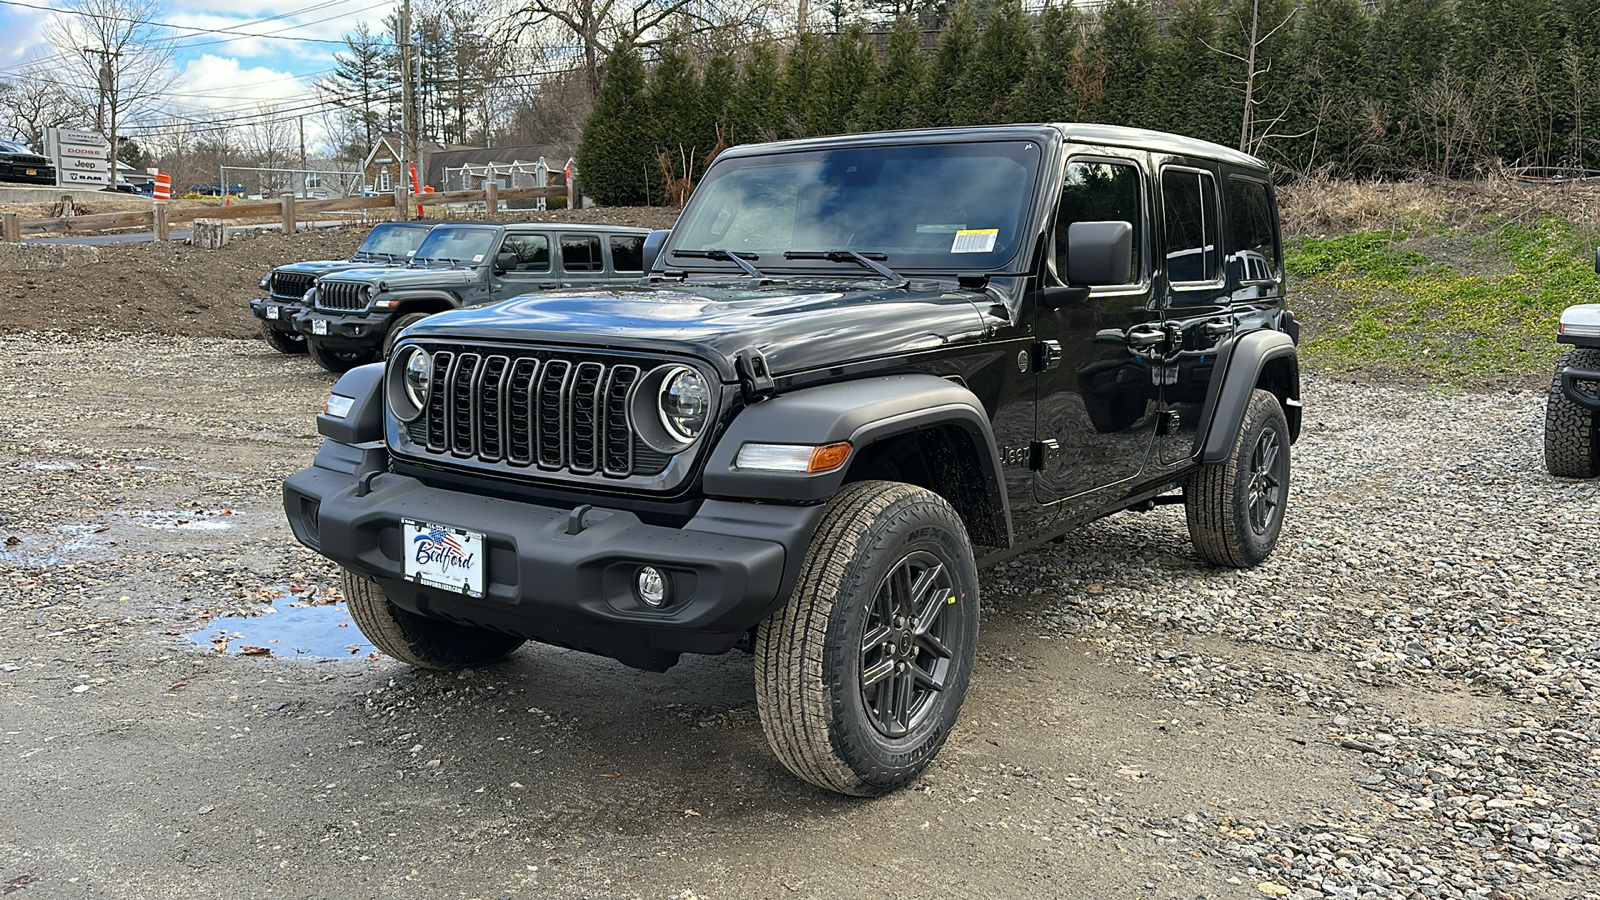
{"x": 859, "y": 369}
{"x": 389, "y": 244}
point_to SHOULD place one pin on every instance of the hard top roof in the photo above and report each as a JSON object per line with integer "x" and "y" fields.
{"x": 1108, "y": 135}
{"x": 549, "y": 226}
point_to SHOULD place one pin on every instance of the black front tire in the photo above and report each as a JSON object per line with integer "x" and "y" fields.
{"x": 1235, "y": 508}
{"x": 283, "y": 341}
{"x": 337, "y": 361}
{"x": 1571, "y": 433}
{"x": 861, "y": 674}
{"x": 401, "y": 323}
{"x": 418, "y": 640}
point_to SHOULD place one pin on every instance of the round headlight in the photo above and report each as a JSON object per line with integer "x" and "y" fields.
{"x": 407, "y": 379}
{"x": 416, "y": 377}
{"x": 684, "y": 404}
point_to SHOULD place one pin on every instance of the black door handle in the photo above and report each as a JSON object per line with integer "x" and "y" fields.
{"x": 1140, "y": 338}
{"x": 1217, "y": 329}
{"x": 546, "y": 285}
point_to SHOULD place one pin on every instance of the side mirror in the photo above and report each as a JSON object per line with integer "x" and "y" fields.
{"x": 1098, "y": 253}
{"x": 653, "y": 242}
{"x": 505, "y": 261}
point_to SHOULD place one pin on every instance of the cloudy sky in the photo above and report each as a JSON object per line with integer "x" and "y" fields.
{"x": 273, "y": 53}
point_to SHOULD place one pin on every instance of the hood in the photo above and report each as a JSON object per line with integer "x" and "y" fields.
{"x": 400, "y": 278}
{"x": 796, "y": 326}
{"x": 316, "y": 267}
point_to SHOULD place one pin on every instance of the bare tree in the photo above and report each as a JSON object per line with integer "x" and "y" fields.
{"x": 1254, "y": 70}
{"x": 117, "y": 47}
{"x": 35, "y": 102}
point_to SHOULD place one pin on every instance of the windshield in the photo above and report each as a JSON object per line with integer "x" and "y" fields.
{"x": 467, "y": 246}
{"x": 394, "y": 241}
{"x": 936, "y": 207}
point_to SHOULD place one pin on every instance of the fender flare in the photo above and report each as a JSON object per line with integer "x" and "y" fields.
{"x": 404, "y": 297}
{"x": 1238, "y": 370}
{"x": 862, "y": 412}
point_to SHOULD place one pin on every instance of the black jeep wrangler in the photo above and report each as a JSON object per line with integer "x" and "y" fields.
{"x": 859, "y": 369}
{"x": 355, "y": 315}
{"x": 388, "y": 244}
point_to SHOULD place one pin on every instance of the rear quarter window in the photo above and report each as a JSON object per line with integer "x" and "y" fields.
{"x": 627, "y": 252}
{"x": 1252, "y": 231}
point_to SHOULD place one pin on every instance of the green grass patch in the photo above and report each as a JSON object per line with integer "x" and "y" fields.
{"x": 1371, "y": 301}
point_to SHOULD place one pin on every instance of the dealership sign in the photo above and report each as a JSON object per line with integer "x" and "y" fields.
{"x": 82, "y": 158}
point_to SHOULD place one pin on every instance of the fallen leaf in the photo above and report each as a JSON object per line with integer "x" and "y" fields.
{"x": 13, "y": 540}
{"x": 255, "y": 651}
{"x": 178, "y": 686}
{"x": 690, "y": 812}
{"x": 610, "y": 774}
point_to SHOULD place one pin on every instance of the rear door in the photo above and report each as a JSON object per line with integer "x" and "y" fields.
{"x": 583, "y": 262}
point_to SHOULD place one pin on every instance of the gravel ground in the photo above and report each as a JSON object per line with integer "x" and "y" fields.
{"x": 1401, "y": 703}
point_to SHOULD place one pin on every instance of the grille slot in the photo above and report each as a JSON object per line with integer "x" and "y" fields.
{"x": 290, "y": 285}
{"x": 341, "y": 295}
{"x": 555, "y": 412}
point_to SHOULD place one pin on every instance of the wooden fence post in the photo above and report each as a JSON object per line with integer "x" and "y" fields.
{"x": 10, "y": 228}
{"x": 210, "y": 234}
{"x": 163, "y": 233}
{"x": 400, "y": 212}
{"x": 289, "y": 223}
{"x": 491, "y": 198}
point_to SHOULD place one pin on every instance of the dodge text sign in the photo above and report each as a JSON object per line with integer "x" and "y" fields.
{"x": 82, "y": 158}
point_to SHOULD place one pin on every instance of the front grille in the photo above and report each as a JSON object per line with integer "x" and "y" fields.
{"x": 538, "y": 410}
{"x": 342, "y": 295}
{"x": 291, "y": 285}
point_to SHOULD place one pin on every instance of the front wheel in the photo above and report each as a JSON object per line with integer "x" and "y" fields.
{"x": 1571, "y": 439}
{"x": 1235, "y": 507}
{"x": 336, "y": 360}
{"x": 283, "y": 341}
{"x": 419, "y": 640}
{"x": 400, "y": 324}
{"x": 861, "y": 674}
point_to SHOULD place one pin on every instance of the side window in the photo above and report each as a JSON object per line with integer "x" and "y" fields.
{"x": 1102, "y": 192}
{"x": 1252, "y": 232}
{"x": 532, "y": 250}
{"x": 581, "y": 253}
{"x": 1189, "y": 214}
{"x": 627, "y": 252}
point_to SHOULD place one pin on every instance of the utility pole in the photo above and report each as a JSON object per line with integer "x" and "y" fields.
{"x": 107, "y": 96}
{"x": 408, "y": 148}
{"x": 302, "y": 142}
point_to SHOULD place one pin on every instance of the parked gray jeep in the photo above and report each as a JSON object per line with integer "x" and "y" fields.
{"x": 1572, "y": 408}
{"x": 859, "y": 369}
{"x": 355, "y": 315}
{"x": 388, "y": 244}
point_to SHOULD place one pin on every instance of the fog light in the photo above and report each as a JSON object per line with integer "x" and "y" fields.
{"x": 652, "y": 587}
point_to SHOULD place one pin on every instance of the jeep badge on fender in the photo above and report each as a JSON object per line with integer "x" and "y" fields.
{"x": 788, "y": 435}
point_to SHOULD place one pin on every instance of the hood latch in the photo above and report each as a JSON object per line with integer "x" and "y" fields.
{"x": 755, "y": 379}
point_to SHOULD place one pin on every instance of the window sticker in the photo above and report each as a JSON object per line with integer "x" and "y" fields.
{"x": 477, "y": 257}
{"x": 976, "y": 240}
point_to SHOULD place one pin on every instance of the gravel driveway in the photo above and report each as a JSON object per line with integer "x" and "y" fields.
{"x": 1400, "y": 703}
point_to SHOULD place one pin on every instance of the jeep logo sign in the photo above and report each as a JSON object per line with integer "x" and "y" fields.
{"x": 80, "y": 157}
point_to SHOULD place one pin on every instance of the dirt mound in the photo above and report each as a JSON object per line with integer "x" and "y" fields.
{"x": 176, "y": 289}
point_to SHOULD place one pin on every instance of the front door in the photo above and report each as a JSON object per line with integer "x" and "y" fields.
{"x": 1096, "y": 409}
{"x": 532, "y": 273}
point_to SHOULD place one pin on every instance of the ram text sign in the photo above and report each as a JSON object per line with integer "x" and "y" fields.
{"x": 82, "y": 158}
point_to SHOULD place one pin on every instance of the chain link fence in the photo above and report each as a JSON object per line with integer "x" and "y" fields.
{"x": 245, "y": 183}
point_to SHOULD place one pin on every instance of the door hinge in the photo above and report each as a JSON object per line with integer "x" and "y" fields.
{"x": 755, "y": 378}
{"x": 1041, "y": 452}
{"x": 1046, "y": 355}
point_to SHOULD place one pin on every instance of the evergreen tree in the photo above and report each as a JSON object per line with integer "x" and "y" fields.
{"x": 615, "y": 163}
{"x": 1327, "y": 72}
{"x": 803, "y": 73}
{"x": 363, "y": 86}
{"x": 758, "y": 113}
{"x": 850, "y": 67}
{"x": 677, "y": 111}
{"x": 1041, "y": 95}
{"x": 997, "y": 65}
{"x": 957, "y": 44}
{"x": 718, "y": 87}
{"x": 1256, "y": 40}
{"x": 1126, "y": 40}
{"x": 894, "y": 99}
{"x": 1406, "y": 50}
{"x": 1514, "y": 47}
{"x": 1192, "y": 76}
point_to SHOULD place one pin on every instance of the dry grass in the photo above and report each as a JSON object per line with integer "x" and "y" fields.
{"x": 1323, "y": 207}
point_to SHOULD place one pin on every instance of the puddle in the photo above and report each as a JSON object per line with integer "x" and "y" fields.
{"x": 60, "y": 544}
{"x": 182, "y": 519}
{"x": 291, "y": 627}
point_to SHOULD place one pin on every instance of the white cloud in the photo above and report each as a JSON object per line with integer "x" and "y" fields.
{"x": 329, "y": 23}
{"x": 222, "y": 82}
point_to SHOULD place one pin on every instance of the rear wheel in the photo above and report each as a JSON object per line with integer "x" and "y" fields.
{"x": 337, "y": 360}
{"x": 401, "y": 323}
{"x": 418, "y": 640}
{"x": 1571, "y": 441}
{"x": 861, "y": 674}
{"x": 283, "y": 341}
{"x": 1235, "y": 507}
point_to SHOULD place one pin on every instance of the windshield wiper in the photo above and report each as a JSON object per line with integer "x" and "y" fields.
{"x": 868, "y": 260}
{"x": 737, "y": 259}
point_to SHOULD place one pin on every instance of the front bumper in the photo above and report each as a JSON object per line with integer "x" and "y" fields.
{"x": 353, "y": 331}
{"x": 729, "y": 565}
{"x": 1582, "y": 387}
{"x": 278, "y": 314}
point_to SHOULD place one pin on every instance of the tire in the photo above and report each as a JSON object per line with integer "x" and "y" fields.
{"x": 1571, "y": 433}
{"x": 420, "y": 641}
{"x": 283, "y": 341}
{"x": 814, "y": 654}
{"x": 1235, "y": 508}
{"x": 335, "y": 360}
{"x": 401, "y": 323}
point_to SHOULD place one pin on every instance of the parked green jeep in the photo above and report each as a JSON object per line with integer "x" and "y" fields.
{"x": 387, "y": 244}
{"x": 354, "y": 316}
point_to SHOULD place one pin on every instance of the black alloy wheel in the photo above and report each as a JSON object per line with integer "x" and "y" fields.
{"x": 1267, "y": 475}
{"x": 906, "y": 654}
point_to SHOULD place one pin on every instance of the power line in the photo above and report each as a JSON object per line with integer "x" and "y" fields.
{"x": 191, "y": 29}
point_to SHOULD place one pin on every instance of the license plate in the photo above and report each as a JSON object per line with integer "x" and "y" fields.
{"x": 319, "y": 326}
{"x": 443, "y": 557}
{"x": 33, "y": 171}
{"x": 272, "y": 312}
